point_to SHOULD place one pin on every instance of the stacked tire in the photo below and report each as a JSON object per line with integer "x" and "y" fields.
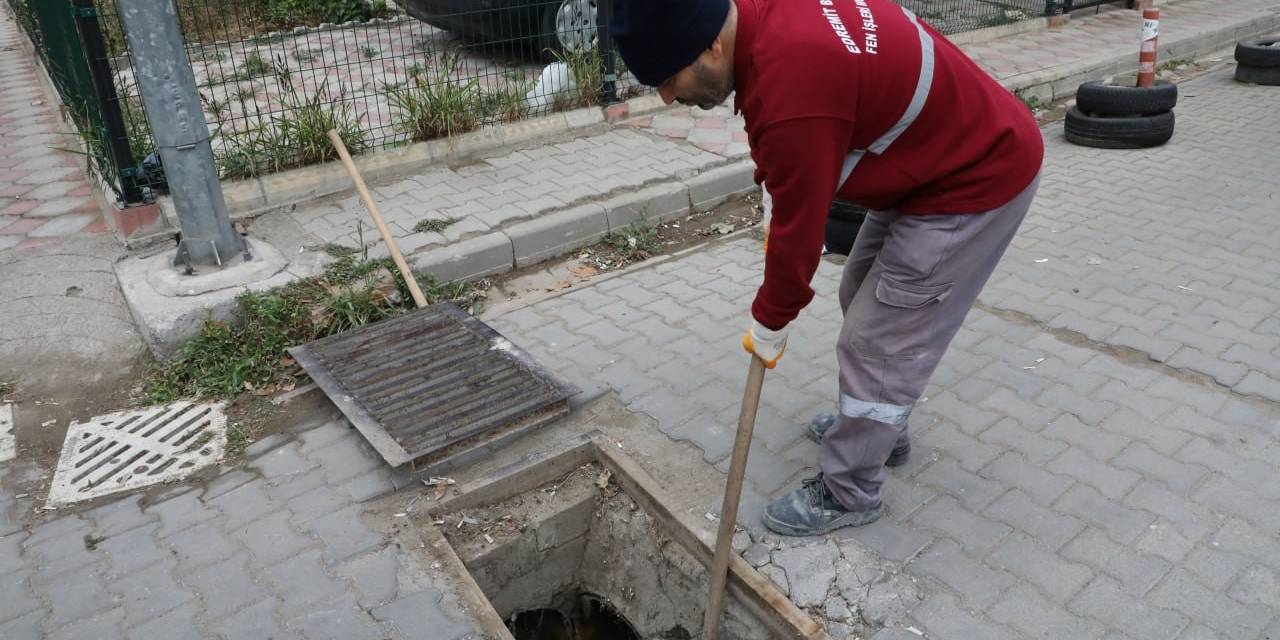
{"x": 843, "y": 221}
{"x": 1258, "y": 61}
{"x": 1113, "y": 116}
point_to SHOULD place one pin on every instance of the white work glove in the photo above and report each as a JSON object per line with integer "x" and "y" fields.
{"x": 765, "y": 343}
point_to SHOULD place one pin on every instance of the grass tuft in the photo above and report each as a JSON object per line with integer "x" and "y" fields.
{"x": 433, "y": 226}
{"x": 227, "y": 358}
{"x": 435, "y": 104}
{"x": 638, "y": 241}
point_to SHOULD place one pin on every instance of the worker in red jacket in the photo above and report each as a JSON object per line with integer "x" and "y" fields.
{"x": 861, "y": 100}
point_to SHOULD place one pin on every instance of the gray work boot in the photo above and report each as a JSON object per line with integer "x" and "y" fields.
{"x": 811, "y": 510}
{"x": 823, "y": 422}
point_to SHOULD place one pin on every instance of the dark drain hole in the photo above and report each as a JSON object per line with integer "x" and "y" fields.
{"x": 585, "y": 617}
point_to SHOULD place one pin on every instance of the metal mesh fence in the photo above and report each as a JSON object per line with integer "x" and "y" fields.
{"x": 274, "y": 76}
{"x": 955, "y": 16}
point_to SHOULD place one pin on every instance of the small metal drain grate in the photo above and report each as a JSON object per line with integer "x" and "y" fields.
{"x": 432, "y": 383}
{"x": 131, "y": 449}
{"x": 8, "y": 450}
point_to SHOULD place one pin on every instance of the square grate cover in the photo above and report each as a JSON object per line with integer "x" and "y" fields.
{"x": 131, "y": 449}
{"x": 8, "y": 450}
{"x": 432, "y": 383}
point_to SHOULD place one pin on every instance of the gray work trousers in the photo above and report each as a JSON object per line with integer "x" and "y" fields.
{"x": 908, "y": 285}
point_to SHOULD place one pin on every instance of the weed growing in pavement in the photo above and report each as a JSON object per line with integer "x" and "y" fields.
{"x": 297, "y": 137}
{"x": 588, "y": 74}
{"x": 215, "y": 107}
{"x": 91, "y": 542}
{"x": 254, "y": 65}
{"x": 504, "y": 105}
{"x": 304, "y": 56}
{"x": 1032, "y": 102}
{"x": 638, "y": 241}
{"x": 245, "y": 94}
{"x": 1173, "y": 65}
{"x": 237, "y": 439}
{"x": 6, "y": 387}
{"x": 433, "y": 226}
{"x": 437, "y": 106}
{"x": 368, "y": 52}
{"x": 1007, "y": 16}
{"x": 227, "y": 358}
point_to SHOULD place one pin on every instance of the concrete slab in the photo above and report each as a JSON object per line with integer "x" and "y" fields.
{"x": 169, "y": 307}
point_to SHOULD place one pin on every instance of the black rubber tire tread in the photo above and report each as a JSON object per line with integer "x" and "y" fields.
{"x": 1259, "y": 52}
{"x": 1267, "y": 76}
{"x": 840, "y": 235}
{"x": 1118, "y": 133}
{"x": 1100, "y": 99}
{"x": 845, "y": 210}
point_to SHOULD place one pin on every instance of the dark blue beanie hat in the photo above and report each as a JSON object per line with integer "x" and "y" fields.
{"x": 658, "y": 38}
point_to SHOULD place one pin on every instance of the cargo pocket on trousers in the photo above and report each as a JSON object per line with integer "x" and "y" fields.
{"x": 898, "y": 325}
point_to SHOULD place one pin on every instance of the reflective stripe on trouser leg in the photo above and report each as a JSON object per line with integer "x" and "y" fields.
{"x": 909, "y": 306}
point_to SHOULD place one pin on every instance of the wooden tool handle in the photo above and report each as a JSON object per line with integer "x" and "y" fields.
{"x": 418, "y": 299}
{"x": 732, "y": 495}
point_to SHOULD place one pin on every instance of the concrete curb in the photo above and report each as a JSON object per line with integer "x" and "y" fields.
{"x": 561, "y": 232}
{"x": 1060, "y": 82}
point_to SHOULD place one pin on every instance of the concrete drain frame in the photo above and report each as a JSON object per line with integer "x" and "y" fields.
{"x": 753, "y": 600}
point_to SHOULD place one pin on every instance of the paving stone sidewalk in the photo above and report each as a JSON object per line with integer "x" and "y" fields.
{"x": 513, "y": 206}
{"x": 44, "y": 195}
{"x": 1071, "y": 477}
{"x": 276, "y": 550}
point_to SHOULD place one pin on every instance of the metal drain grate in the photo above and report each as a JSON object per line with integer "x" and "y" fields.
{"x": 131, "y": 449}
{"x": 8, "y": 450}
{"x": 432, "y": 383}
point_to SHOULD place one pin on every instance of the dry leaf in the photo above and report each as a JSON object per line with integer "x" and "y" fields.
{"x": 583, "y": 270}
{"x": 563, "y": 284}
{"x": 289, "y": 386}
{"x": 248, "y": 386}
{"x": 442, "y": 488}
{"x": 603, "y": 480}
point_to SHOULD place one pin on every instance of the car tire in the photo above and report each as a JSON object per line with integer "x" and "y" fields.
{"x": 1259, "y": 52}
{"x": 1100, "y": 99}
{"x": 555, "y": 22}
{"x": 845, "y": 210}
{"x": 1118, "y": 132}
{"x": 843, "y": 221}
{"x": 1268, "y": 76}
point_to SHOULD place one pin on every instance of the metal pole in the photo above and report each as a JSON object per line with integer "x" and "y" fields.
{"x": 168, "y": 89}
{"x": 1147, "y": 52}
{"x": 117, "y": 136}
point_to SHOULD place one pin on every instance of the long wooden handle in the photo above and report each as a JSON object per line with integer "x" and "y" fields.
{"x": 392, "y": 248}
{"x": 732, "y": 495}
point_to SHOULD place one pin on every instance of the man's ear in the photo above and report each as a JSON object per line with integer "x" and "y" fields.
{"x": 717, "y": 48}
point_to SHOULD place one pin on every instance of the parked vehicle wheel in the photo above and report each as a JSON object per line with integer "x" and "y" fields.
{"x": 1118, "y": 132}
{"x": 1259, "y": 52}
{"x": 1269, "y": 76}
{"x": 1101, "y": 99}
{"x": 845, "y": 210}
{"x": 571, "y": 26}
{"x": 843, "y": 222}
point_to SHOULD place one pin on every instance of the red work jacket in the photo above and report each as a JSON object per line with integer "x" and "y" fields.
{"x": 860, "y": 99}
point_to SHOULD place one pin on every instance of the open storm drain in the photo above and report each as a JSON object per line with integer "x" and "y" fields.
{"x": 597, "y": 554}
{"x": 132, "y": 449}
